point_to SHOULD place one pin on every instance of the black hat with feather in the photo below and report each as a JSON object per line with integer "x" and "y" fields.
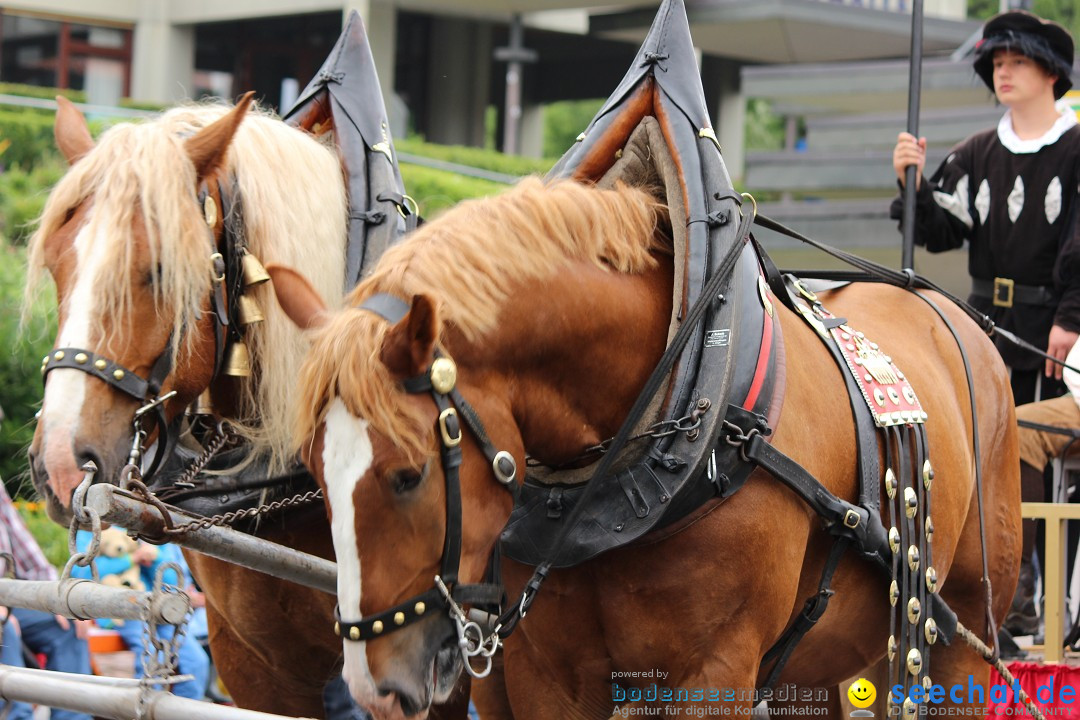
{"x": 1045, "y": 42}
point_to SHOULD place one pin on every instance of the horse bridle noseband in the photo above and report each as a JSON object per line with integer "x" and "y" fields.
{"x": 439, "y": 380}
{"x": 225, "y": 269}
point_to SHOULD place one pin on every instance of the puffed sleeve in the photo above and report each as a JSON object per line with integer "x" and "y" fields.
{"x": 1067, "y": 276}
{"x": 943, "y": 205}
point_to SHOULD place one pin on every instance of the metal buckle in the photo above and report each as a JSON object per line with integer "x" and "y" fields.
{"x": 851, "y": 519}
{"x": 448, "y": 440}
{"x": 1003, "y": 292}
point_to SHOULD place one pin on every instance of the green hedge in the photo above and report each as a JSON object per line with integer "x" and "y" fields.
{"x": 436, "y": 190}
{"x": 44, "y": 93}
{"x": 476, "y": 157}
{"x": 22, "y": 197}
{"x": 20, "y": 363}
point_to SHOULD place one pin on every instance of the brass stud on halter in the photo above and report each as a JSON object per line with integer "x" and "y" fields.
{"x": 354, "y": 633}
{"x": 443, "y": 375}
{"x": 81, "y": 358}
{"x": 399, "y": 618}
{"x": 914, "y": 661}
{"x": 58, "y": 355}
{"x": 419, "y": 608}
{"x": 914, "y": 610}
{"x": 931, "y": 578}
{"x": 911, "y": 502}
{"x": 210, "y": 211}
{"x": 118, "y": 374}
{"x": 890, "y": 483}
{"x": 100, "y": 364}
{"x": 930, "y": 631}
{"x": 377, "y": 627}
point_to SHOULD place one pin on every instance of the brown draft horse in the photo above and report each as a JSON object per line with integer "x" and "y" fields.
{"x": 554, "y": 302}
{"x": 129, "y": 247}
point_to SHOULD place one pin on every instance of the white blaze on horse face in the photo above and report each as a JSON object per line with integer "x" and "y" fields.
{"x": 347, "y": 456}
{"x": 65, "y": 389}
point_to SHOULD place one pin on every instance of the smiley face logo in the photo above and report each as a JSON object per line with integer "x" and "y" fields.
{"x": 862, "y": 693}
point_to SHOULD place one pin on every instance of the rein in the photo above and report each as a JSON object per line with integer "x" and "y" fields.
{"x": 440, "y": 380}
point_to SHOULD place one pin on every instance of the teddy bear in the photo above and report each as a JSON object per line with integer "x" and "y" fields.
{"x": 116, "y": 564}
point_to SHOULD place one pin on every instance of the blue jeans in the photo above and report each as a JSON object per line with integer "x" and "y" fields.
{"x": 63, "y": 650}
{"x": 338, "y": 703}
{"x": 191, "y": 658}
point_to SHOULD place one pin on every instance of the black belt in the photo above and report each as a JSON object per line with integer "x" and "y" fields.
{"x": 1004, "y": 292}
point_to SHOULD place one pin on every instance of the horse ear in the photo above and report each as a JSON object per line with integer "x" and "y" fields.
{"x": 300, "y": 301}
{"x": 207, "y": 147}
{"x": 71, "y": 131}
{"x": 410, "y": 345}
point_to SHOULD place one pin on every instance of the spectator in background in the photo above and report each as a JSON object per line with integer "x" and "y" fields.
{"x": 1011, "y": 193}
{"x": 62, "y": 641}
{"x": 191, "y": 657}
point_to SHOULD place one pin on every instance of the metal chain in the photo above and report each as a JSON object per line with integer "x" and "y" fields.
{"x": 161, "y": 657}
{"x": 689, "y": 424}
{"x": 236, "y": 515}
{"x": 83, "y": 516}
{"x": 222, "y": 436}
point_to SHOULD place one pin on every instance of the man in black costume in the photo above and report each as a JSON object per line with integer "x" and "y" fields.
{"x": 1011, "y": 192}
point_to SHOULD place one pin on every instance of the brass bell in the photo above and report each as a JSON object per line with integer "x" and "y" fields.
{"x": 249, "y": 311}
{"x": 237, "y": 361}
{"x": 204, "y": 405}
{"x": 254, "y": 272}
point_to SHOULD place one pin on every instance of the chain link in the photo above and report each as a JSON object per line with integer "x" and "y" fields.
{"x": 222, "y": 436}
{"x": 83, "y": 516}
{"x": 236, "y": 515}
{"x": 161, "y": 657}
{"x": 689, "y": 424}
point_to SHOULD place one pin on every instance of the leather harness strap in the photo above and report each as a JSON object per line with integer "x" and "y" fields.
{"x": 447, "y": 592}
{"x": 225, "y": 265}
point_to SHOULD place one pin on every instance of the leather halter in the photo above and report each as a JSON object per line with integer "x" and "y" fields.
{"x": 447, "y": 592}
{"x": 226, "y": 278}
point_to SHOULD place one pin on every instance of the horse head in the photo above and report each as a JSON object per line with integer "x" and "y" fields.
{"x": 420, "y": 400}
{"x": 137, "y": 243}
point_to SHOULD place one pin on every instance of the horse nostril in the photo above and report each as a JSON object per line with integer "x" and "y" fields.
{"x": 88, "y": 455}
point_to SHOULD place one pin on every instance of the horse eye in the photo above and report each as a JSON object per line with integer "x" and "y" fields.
{"x": 153, "y": 277}
{"x": 407, "y": 479}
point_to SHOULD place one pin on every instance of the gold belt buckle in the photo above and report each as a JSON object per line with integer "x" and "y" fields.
{"x": 1003, "y": 292}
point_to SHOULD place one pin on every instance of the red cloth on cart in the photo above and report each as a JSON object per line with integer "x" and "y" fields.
{"x": 1044, "y": 684}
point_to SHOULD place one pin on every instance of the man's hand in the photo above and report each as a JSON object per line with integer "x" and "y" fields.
{"x": 1061, "y": 342}
{"x": 82, "y": 627}
{"x": 909, "y": 151}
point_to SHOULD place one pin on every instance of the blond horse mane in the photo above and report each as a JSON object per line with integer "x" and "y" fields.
{"x": 295, "y": 212}
{"x": 468, "y": 262}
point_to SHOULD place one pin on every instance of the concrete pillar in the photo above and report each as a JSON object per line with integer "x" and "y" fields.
{"x": 163, "y": 55}
{"x": 532, "y": 130}
{"x": 724, "y": 98}
{"x": 459, "y": 78}
{"x": 380, "y": 21}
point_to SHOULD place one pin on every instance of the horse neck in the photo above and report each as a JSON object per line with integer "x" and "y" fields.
{"x": 575, "y": 350}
